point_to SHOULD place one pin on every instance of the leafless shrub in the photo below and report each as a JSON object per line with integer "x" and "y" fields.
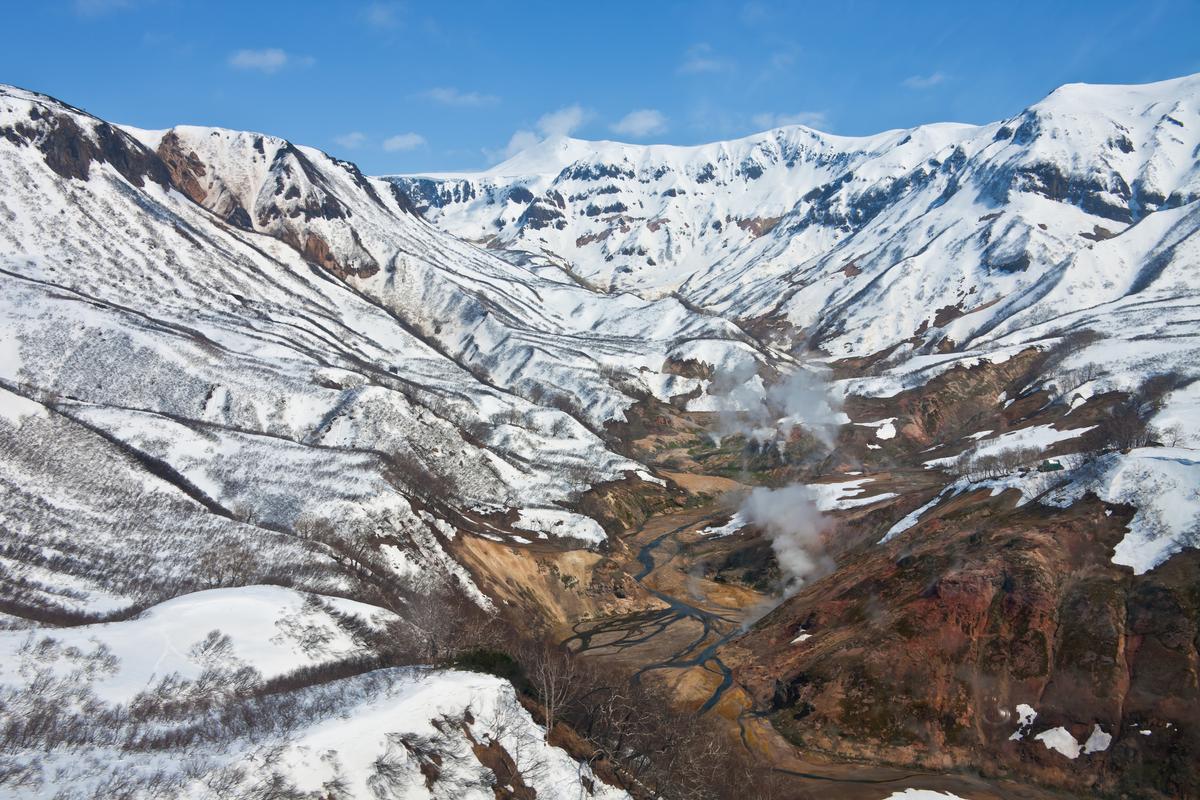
{"x": 405, "y": 469}
{"x": 1170, "y": 436}
{"x": 975, "y": 466}
{"x": 1123, "y": 428}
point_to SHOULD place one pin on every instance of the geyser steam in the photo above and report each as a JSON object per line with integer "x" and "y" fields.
{"x": 765, "y": 414}
{"x": 789, "y": 517}
{"x": 793, "y": 523}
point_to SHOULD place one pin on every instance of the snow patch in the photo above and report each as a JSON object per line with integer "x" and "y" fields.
{"x": 910, "y": 519}
{"x": 1025, "y": 717}
{"x": 735, "y": 524}
{"x": 560, "y": 524}
{"x": 1163, "y": 483}
{"x": 15, "y": 409}
{"x": 884, "y": 428}
{"x": 845, "y": 495}
{"x": 1098, "y": 741}
{"x": 1060, "y": 739}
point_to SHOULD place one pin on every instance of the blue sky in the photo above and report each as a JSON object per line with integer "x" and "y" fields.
{"x": 408, "y": 86}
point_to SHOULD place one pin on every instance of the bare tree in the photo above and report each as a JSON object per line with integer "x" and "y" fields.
{"x": 1171, "y": 436}
{"x": 554, "y": 678}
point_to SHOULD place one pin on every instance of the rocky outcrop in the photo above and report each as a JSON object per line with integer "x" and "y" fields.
{"x": 185, "y": 167}
{"x": 70, "y": 150}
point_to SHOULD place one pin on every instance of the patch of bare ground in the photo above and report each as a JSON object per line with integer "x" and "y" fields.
{"x": 551, "y": 585}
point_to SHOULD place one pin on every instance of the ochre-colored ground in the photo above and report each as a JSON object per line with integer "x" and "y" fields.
{"x": 653, "y": 639}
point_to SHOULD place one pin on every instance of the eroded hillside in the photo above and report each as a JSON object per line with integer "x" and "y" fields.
{"x": 885, "y": 478}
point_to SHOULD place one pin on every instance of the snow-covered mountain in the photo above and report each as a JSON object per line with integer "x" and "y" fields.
{"x": 226, "y": 361}
{"x": 914, "y": 251}
{"x": 280, "y": 308}
{"x": 943, "y": 231}
{"x": 256, "y": 408}
{"x": 199, "y": 698}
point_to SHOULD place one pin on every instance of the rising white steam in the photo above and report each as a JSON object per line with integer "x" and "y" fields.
{"x": 789, "y": 516}
{"x": 768, "y": 414}
{"x": 793, "y": 523}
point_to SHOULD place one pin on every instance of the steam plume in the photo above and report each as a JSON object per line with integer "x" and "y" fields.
{"x": 766, "y": 414}
{"x": 789, "y": 516}
{"x": 792, "y": 522}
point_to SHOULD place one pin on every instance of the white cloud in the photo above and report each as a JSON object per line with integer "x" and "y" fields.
{"x": 700, "y": 58}
{"x": 403, "y": 141}
{"x": 781, "y": 60}
{"x": 755, "y": 13}
{"x": 521, "y": 140}
{"x": 449, "y": 96}
{"x": 562, "y": 122}
{"x": 643, "y": 122}
{"x": 351, "y": 140}
{"x": 555, "y": 123}
{"x": 382, "y": 15}
{"x": 268, "y": 60}
{"x": 924, "y": 81}
{"x": 811, "y": 119}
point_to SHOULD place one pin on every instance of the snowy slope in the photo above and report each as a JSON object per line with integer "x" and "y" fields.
{"x": 941, "y": 231}
{"x": 944, "y": 245}
{"x": 174, "y": 703}
{"x": 647, "y": 218}
{"x": 230, "y": 364}
{"x": 251, "y": 328}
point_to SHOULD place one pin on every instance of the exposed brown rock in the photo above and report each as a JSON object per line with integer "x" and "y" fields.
{"x": 687, "y": 368}
{"x": 185, "y": 167}
{"x": 318, "y": 251}
{"x": 922, "y": 648}
{"x": 1098, "y": 234}
{"x": 600, "y": 236}
{"x": 70, "y": 151}
{"x": 758, "y": 226}
{"x": 946, "y": 314}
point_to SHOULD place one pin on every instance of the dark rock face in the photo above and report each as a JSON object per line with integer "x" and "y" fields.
{"x": 1010, "y": 264}
{"x": 825, "y": 205}
{"x": 1028, "y": 129}
{"x": 426, "y": 193}
{"x": 360, "y": 180}
{"x": 70, "y": 151}
{"x": 521, "y": 195}
{"x": 1085, "y": 191}
{"x": 543, "y": 213}
{"x": 320, "y": 202}
{"x": 595, "y": 172}
{"x": 751, "y": 170}
{"x": 239, "y": 218}
{"x": 403, "y": 200}
{"x": 1122, "y": 143}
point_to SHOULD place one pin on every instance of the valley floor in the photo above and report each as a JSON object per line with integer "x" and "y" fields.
{"x": 681, "y": 645}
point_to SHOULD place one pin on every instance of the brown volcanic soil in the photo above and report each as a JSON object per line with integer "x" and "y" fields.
{"x": 920, "y": 648}
{"x": 668, "y": 644}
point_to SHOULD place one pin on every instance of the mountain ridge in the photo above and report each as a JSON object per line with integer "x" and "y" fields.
{"x": 950, "y": 387}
